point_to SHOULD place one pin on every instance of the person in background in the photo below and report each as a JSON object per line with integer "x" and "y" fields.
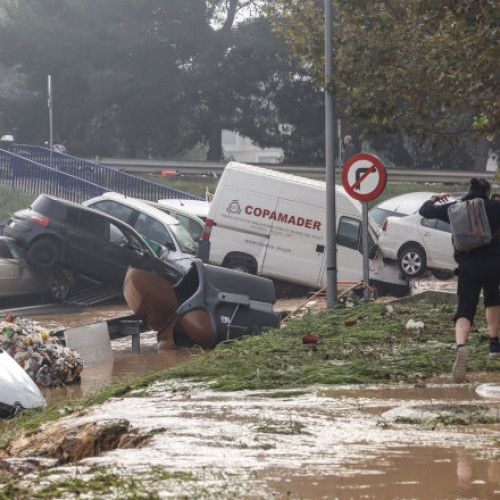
{"x": 495, "y": 196}
{"x": 478, "y": 270}
{"x": 348, "y": 150}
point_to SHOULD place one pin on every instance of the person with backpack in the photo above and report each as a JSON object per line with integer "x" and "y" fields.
{"x": 478, "y": 268}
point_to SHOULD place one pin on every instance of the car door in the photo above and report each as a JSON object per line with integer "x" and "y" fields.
{"x": 86, "y": 233}
{"x": 436, "y": 237}
{"x": 126, "y": 249}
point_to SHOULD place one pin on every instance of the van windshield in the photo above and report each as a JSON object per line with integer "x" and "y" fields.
{"x": 186, "y": 242}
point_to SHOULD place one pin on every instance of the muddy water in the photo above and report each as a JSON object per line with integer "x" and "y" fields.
{"x": 414, "y": 472}
{"x": 124, "y": 364}
{"x": 242, "y": 445}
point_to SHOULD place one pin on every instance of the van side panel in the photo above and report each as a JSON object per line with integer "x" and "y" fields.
{"x": 235, "y": 228}
{"x": 280, "y": 220}
{"x": 296, "y": 247}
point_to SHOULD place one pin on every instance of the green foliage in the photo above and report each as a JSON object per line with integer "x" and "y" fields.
{"x": 139, "y": 77}
{"x": 422, "y": 67}
{"x": 12, "y": 201}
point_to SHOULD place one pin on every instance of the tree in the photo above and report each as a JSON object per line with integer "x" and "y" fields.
{"x": 155, "y": 75}
{"x": 231, "y": 70}
{"x": 424, "y": 68}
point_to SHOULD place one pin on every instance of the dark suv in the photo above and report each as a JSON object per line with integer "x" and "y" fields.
{"x": 58, "y": 232}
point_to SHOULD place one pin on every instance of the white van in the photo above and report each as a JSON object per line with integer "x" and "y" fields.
{"x": 274, "y": 224}
{"x": 157, "y": 226}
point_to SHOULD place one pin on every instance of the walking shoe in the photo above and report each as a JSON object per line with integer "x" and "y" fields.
{"x": 458, "y": 371}
{"x": 495, "y": 348}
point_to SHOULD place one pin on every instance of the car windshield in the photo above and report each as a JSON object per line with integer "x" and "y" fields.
{"x": 192, "y": 227}
{"x": 186, "y": 242}
{"x": 380, "y": 214}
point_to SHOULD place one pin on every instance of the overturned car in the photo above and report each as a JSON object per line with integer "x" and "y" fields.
{"x": 208, "y": 305}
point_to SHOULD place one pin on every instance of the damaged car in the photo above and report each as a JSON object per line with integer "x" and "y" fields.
{"x": 59, "y": 233}
{"x": 20, "y": 279}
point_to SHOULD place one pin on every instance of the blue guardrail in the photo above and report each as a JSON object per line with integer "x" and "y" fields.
{"x": 35, "y": 170}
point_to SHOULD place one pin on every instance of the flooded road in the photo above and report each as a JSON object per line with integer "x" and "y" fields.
{"x": 350, "y": 442}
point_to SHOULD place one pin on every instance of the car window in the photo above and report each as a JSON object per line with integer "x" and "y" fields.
{"x": 115, "y": 209}
{"x": 153, "y": 230}
{"x": 443, "y": 226}
{"x": 348, "y": 233}
{"x": 428, "y": 222}
{"x": 116, "y": 235}
{"x": 184, "y": 238}
{"x": 193, "y": 228}
{"x": 86, "y": 220}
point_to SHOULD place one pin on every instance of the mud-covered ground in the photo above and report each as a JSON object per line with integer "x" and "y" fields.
{"x": 182, "y": 440}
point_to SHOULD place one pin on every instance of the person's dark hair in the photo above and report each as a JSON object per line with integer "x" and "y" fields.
{"x": 480, "y": 186}
{"x": 495, "y": 196}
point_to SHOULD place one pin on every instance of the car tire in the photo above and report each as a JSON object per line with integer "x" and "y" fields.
{"x": 43, "y": 253}
{"x": 441, "y": 274}
{"x": 412, "y": 261}
{"x": 60, "y": 285}
{"x": 240, "y": 264}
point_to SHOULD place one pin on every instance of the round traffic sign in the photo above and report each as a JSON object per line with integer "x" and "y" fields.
{"x": 364, "y": 176}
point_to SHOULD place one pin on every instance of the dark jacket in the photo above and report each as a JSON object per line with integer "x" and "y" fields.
{"x": 438, "y": 210}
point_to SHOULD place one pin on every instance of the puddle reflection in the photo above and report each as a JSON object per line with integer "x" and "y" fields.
{"x": 123, "y": 365}
{"x": 417, "y": 473}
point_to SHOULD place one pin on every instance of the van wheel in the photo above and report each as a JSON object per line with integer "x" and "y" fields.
{"x": 43, "y": 253}
{"x": 239, "y": 264}
{"x": 412, "y": 261}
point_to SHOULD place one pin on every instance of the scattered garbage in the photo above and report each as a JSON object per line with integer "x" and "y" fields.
{"x": 389, "y": 312}
{"x": 44, "y": 358}
{"x": 413, "y": 325}
{"x": 310, "y": 339}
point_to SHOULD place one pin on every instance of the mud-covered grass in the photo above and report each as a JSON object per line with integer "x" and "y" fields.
{"x": 376, "y": 349}
{"x": 95, "y": 483}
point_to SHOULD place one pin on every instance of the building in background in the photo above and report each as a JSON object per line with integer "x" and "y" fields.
{"x": 236, "y": 147}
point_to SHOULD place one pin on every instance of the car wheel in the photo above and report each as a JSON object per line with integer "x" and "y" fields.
{"x": 43, "y": 253}
{"x": 441, "y": 274}
{"x": 412, "y": 262}
{"x": 240, "y": 264}
{"x": 60, "y": 285}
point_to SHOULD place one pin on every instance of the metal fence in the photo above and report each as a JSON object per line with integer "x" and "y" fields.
{"x": 34, "y": 178}
{"x": 66, "y": 167}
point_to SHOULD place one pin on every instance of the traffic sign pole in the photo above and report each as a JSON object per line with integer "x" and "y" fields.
{"x": 364, "y": 178}
{"x": 331, "y": 246}
{"x": 364, "y": 241}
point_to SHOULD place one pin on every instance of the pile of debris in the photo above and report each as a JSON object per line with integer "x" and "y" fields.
{"x": 48, "y": 362}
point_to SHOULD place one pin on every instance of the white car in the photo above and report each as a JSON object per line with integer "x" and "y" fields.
{"x": 192, "y": 223}
{"x": 194, "y": 207}
{"x": 160, "y": 229}
{"x": 418, "y": 244}
{"x": 399, "y": 206}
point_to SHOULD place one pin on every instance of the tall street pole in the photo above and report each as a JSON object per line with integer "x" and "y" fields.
{"x": 49, "y": 103}
{"x": 331, "y": 246}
